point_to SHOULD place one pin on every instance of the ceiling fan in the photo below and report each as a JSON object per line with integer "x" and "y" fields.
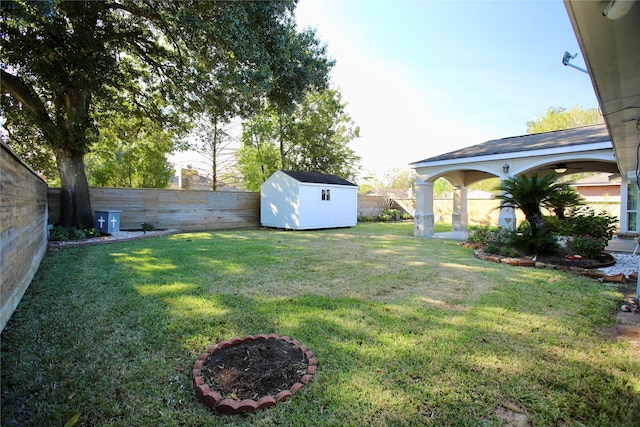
{"x": 562, "y": 168}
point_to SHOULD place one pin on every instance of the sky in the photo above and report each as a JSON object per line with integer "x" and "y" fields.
{"x": 423, "y": 78}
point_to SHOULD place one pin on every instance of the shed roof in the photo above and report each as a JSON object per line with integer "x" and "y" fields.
{"x": 537, "y": 141}
{"x": 318, "y": 178}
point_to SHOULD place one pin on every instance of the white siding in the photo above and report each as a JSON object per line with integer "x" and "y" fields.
{"x": 279, "y": 202}
{"x": 340, "y": 211}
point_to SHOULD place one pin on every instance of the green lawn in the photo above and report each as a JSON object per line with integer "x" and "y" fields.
{"x": 407, "y": 331}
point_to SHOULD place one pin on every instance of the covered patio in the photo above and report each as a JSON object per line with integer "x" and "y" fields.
{"x": 578, "y": 150}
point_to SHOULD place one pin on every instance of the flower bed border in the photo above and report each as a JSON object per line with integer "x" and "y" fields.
{"x": 594, "y": 273}
{"x": 214, "y": 400}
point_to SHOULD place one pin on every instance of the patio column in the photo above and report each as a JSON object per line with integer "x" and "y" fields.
{"x": 507, "y": 218}
{"x": 423, "y": 218}
{"x": 459, "y": 217}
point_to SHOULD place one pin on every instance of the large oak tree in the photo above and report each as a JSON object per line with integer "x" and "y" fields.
{"x": 65, "y": 62}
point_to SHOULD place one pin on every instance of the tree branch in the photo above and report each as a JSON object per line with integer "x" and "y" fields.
{"x": 25, "y": 95}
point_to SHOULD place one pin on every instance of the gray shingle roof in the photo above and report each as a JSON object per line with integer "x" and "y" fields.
{"x": 537, "y": 141}
{"x": 317, "y": 178}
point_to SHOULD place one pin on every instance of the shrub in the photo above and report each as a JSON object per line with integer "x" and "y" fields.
{"x": 59, "y": 233}
{"x": 557, "y": 225}
{"x": 383, "y": 217}
{"x": 491, "y": 248}
{"x": 147, "y": 227}
{"x": 509, "y": 252}
{"x": 540, "y": 243}
{"x": 92, "y": 232}
{"x": 585, "y": 246}
{"x": 393, "y": 214}
{"x": 77, "y": 234}
{"x": 478, "y": 235}
{"x": 585, "y": 222}
{"x": 486, "y": 235}
{"x": 405, "y": 216}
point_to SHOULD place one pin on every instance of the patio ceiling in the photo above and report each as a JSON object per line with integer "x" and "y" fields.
{"x": 610, "y": 46}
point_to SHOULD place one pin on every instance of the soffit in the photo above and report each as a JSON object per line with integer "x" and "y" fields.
{"x": 611, "y": 49}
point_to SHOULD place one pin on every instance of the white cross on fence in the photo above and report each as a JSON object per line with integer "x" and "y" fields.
{"x": 101, "y": 221}
{"x": 113, "y": 222}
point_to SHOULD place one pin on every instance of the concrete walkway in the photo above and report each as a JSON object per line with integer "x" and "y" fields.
{"x": 459, "y": 236}
{"x": 621, "y": 245}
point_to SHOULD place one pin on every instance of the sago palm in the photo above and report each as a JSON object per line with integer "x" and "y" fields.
{"x": 562, "y": 199}
{"x": 530, "y": 194}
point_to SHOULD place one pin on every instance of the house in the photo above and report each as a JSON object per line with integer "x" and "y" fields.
{"x": 599, "y": 187}
{"x": 307, "y": 200}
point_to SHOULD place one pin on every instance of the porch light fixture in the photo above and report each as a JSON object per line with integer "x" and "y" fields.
{"x": 505, "y": 168}
{"x": 561, "y": 168}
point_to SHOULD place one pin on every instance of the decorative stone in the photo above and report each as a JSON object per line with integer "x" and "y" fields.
{"x": 283, "y": 395}
{"x": 526, "y": 263}
{"x": 618, "y": 278}
{"x": 266, "y": 402}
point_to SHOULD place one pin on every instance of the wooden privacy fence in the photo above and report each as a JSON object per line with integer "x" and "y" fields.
{"x": 187, "y": 210}
{"x": 23, "y": 229}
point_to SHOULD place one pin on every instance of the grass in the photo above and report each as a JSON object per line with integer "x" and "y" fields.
{"x": 407, "y": 331}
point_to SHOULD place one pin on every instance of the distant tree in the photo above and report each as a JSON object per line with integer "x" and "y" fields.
{"x": 558, "y": 118}
{"x": 319, "y": 134}
{"x": 391, "y": 178}
{"x": 316, "y": 139}
{"x": 442, "y": 187}
{"x": 131, "y": 153}
{"x": 488, "y": 184}
{"x": 214, "y": 141}
{"x": 259, "y": 156}
{"x": 189, "y": 178}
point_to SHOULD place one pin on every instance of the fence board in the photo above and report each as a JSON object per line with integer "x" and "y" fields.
{"x": 23, "y": 229}
{"x": 188, "y": 210}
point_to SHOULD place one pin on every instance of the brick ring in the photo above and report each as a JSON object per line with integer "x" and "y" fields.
{"x": 225, "y": 405}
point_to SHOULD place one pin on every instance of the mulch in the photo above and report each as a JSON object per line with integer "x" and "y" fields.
{"x": 602, "y": 261}
{"x": 253, "y": 369}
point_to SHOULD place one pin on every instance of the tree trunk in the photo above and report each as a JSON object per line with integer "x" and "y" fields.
{"x": 536, "y": 221}
{"x": 281, "y": 137}
{"x": 75, "y": 200}
{"x": 214, "y": 157}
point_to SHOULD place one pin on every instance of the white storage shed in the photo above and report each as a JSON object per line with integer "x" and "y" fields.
{"x": 308, "y": 200}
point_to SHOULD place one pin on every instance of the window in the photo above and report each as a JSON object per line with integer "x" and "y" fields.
{"x": 632, "y": 206}
{"x": 326, "y": 195}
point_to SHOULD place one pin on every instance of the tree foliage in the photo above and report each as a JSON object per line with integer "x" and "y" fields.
{"x": 64, "y": 62}
{"x": 130, "y": 152}
{"x": 558, "y": 118}
{"x": 315, "y": 138}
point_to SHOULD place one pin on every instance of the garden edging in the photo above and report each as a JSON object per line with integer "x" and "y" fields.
{"x": 594, "y": 273}
{"x": 215, "y": 400}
